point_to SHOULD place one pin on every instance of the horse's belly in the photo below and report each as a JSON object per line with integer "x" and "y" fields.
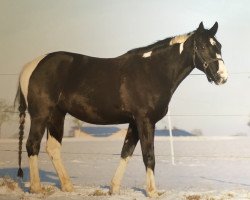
{"x": 95, "y": 113}
{"x": 90, "y": 116}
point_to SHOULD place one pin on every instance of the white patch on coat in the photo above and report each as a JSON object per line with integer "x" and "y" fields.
{"x": 147, "y": 54}
{"x": 35, "y": 184}
{"x": 53, "y": 148}
{"x": 180, "y": 38}
{"x": 26, "y": 74}
{"x": 181, "y": 47}
{"x": 151, "y": 188}
{"x": 222, "y": 71}
{"x": 212, "y": 41}
{"x": 116, "y": 181}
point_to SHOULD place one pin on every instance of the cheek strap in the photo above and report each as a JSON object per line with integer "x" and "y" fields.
{"x": 205, "y": 63}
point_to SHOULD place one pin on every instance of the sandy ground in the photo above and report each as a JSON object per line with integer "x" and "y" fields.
{"x": 209, "y": 168}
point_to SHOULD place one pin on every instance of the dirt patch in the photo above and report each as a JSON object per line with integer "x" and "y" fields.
{"x": 193, "y": 197}
{"x": 98, "y": 193}
{"x": 8, "y": 183}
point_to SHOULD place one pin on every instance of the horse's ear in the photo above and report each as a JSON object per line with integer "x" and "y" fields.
{"x": 201, "y": 27}
{"x": 213, "y": 30}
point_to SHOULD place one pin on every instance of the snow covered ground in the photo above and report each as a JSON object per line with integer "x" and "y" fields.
{"x": 209, "y": 168}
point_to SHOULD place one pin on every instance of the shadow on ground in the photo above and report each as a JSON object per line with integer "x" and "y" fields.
{"x": 45, "y": 176}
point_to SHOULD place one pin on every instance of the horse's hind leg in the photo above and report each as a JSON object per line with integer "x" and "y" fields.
{"x": 127, "y": 151}
{"x": 37, "y": 129}
{"x": 53, "y": 147}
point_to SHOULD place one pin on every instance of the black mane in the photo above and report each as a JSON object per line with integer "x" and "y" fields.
{"x": 159, "y": 44}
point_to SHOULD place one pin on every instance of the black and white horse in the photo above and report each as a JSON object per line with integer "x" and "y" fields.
{"x": 133, "y": 88}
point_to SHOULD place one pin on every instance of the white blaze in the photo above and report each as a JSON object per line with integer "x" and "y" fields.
{"x": 26, "y": 74}
{"x": 147, "y": 54}
{"x": 222, "y": 71}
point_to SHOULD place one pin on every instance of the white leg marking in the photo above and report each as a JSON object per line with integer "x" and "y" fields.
{"x": 151, "y": 188}
{"x": 54, "y": 150}
{"x": 25, "y": 75}
{"x": 212, "y": 41}
{"x": 147, "y": 54}
{"x": 222, "y": 71}
{"x": 116, "y": 181}
{"x": 35, "y": 184}
{"x": 181, "y": 47}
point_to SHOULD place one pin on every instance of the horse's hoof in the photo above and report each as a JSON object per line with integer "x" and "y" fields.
{"x": 36, "y": 189}
{"x": 152, "y": 194}
{"x": 68, "y": 188}
{"x": 114, "y": 190}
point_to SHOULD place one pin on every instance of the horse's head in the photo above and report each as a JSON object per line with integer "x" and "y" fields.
{"x": 207, "y": 54}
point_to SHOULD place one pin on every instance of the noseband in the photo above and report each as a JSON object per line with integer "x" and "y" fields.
{"x": 205, "y": 63}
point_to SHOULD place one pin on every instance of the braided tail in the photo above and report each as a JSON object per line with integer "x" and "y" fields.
{"x": 22, "y": 108}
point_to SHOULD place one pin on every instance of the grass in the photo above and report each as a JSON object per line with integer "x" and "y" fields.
{"x": 48, "y": 190}
{"x": 8, "y": 183}
{"x": 98, "y": 193}
{"x": 198, "y": 197}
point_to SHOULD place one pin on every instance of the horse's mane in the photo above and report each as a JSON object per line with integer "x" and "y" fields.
{"x": 162, "y": 43}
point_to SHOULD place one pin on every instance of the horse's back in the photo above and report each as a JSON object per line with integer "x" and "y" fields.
{"x": 78, "y": 84}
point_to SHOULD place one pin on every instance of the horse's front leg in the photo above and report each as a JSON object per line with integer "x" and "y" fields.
{"x": 146, "y": 135}
{"x": 127, "y": 151}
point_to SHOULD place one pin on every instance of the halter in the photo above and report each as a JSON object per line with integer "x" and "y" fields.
{"x": 205, "y": 63}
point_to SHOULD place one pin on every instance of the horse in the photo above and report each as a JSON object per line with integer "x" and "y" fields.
{"x": 134, "y": 88}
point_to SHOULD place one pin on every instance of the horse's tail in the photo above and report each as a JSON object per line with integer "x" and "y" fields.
{"x": 22, "y": 107}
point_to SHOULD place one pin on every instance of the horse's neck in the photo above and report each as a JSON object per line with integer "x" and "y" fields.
{"x": 180, "y": 76}
{"x": 178, "y": 68}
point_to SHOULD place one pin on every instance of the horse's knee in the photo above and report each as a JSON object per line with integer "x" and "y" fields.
{"x": 128, "y": 148}
{"x": 149, "y": 161}
{"x": 130, "y": 141}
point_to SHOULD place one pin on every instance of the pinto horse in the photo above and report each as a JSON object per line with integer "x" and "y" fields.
{"x": 133, "y": 88}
